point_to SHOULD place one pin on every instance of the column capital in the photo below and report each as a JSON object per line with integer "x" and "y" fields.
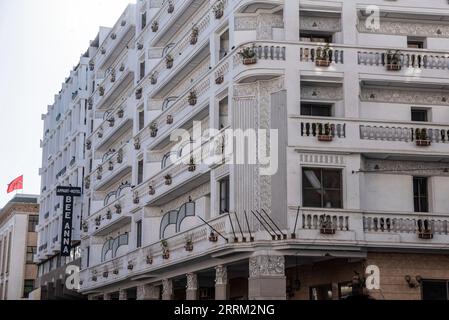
{"x": 221, "y": 275}
{"x": 192, "y": 281}
{"x": 266, "y": 265}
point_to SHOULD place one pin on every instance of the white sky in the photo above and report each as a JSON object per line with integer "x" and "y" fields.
{"x": 40, "y": 42}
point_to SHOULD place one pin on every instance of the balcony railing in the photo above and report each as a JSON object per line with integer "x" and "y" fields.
{"x": 323, "y": 129}
{"x": 402, "y": 133}
{"x": 314, "y": 54}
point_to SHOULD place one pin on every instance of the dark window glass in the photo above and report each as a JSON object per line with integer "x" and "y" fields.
{"x": 140, "y": 172}
{"x": 28, "y": 287}
{"x": 322, "y": 188}
{"x": 144, "y": 20}
{"x": 33, "y": 221}
{"x": 419, "y": 115}
{"x": 141, "y": 120}
{"x": 420, "y": 194}
{"x": 224, "y": 195}
{"x": 316, "y": 37}
{"x": 139, "y": 233}
{"x": 435, "y": 290}
{"x": 31, "y": 251}
{"x": 88, "y": 257}
{"x": 142, "y": 70}
{"x": 318, "y": 110}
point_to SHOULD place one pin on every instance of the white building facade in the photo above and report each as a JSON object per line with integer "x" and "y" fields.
{"x": 355, "y": 100}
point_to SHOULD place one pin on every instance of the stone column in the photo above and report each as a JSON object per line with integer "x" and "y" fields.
{"x": 123, "y": 295}
{"x": 221, "y": 283}
{"x": 192, "y": 287}
{"x": 148, "y": 292}
{"x": 107, "y": 296}
{"x": 167, "y": 289}
{"x": 267, "y": 279}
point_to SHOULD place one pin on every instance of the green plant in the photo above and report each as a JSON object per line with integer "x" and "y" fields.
{"x": 324, "y": 53}
{"x": 248, "y": 52}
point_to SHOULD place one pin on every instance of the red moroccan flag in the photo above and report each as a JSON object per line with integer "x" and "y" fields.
{"x": 16, "y": 184}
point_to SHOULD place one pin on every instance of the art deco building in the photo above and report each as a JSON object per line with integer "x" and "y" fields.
{"x": 18, "y": 239}
{"x": 355, "y": 98}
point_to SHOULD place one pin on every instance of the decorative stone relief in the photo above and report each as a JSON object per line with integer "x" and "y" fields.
{"x": 260, "y": 266}
{"x": 262, "y": 23}
{"x": 192, "y": 281}
{"x": 195, "y": 194}
{"x": 321, "y": 158}
{"x": 167, "y": 287}
{"x": 321, "y": 93}
{"x": 435, "y": 30}
{"x": 320, "y": 24}
{"x": 408, "y": 96}
{"x": 221, "y": 275}
{"x": 404, "y": 167}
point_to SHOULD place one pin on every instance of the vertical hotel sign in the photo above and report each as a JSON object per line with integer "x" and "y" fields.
{"x": 69, "y": 193}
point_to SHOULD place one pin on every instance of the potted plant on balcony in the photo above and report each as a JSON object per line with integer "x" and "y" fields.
{"x": 88, "y": 145}
{"x": 139, "y": 46}
{"x": 154, "y": 26}
{"x": 123, "y": 23}
{"x": 113, "y": 36}
{"x": 194, "y": 35}
{"x": 323, "y": 56}
{"x": 113, "y": 75}
{"x": 99, "y": 172}
{"x": 168, "y": 180}
{"x": 115, "y": 272}
{"x": 169, "y": 119}
{"x": 122, "y": 67}
{"x": 192, "y": 165}
{"x": 105, "y": 274}
{"x": 100, "y": 133}
{"x": 153, "y": 129}
{"x": 110, "y": 165}
{"x": 189, "y": 244}
{"x": 130, "y": 265}
{"x": 85, "y": 226}
{"x": 219, "y": 79}
{"x": 139, "y": 93}
{"x": 120, "y": 113}
{"x": 393, "y": 60}
{"x": 136, "y": 198}
{"x": 424, "y": 230}
{"x": 213, "y": 237}
{"x": 90, "y": 103}
{"x": 103, "y": 51}
{"x": 101, "y": 91}
{"x": 109, "y": 214}
{"x": 324, "y": 134}
{"x": 422, "y": 139}
{"x": 111, "y": 122}
{"x": 120, "y": 156}
{"x": 165, "y": 250}
{"x": 170, "y": 7}
{"x": 118, "y": 208}
{"x": 91, "y": 65}
{"x": 153, "y": 78}
{"x": 169, "y": 61}
{"x": 192, "y": 98}
{"x": 87, "y": 183}
{"x": 149, "y": 259}
{"x": 248, "y": 55}
{"x": 98, "y": 221}
{"x": 218, "y": 9}
{"x": 94, "y": 276}
{"x": 137, "y": 144}
{"x": 326, "y": 225}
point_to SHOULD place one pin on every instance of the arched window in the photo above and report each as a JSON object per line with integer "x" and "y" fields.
{"x": 170, "y": 218}
{"x": 111, "y": 247}
{"x": 166, "y": 159}
{"x": 107, "y": 249}
{"x": 175, "y": 217}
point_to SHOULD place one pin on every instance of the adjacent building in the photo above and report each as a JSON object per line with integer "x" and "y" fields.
{"x": 353, "y": 102}
{"x": 18, "y": 241}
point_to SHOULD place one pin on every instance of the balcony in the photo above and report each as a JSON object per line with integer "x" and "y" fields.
{"x": 151, "y": 258}
{"x": 118, "y": 38}
{"x": 117, "y": 79}
{"x": 321, "y": 56}
{"x": 369, "y": 135}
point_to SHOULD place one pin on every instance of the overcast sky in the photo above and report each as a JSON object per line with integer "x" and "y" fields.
{"x": 40, "y": 42}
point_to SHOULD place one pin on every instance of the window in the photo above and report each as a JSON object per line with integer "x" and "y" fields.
{"x": 140, "y": 172}
{"x": 416, "y": 42}
{"x": 223, "y": 113}
{"x": 420, "y": 195}
{"x": 419, "y": 115}
{"x": 143, "y": 20}
{"x": 224, "y": 195}
{"x": 31, "y": 251}
{"x": 435, "y": 290}
{"x": 316, "y": 109}
{"x": 139, "y": 234}
{"x": 87, "y": 257}
{"x": 224, "y": 44}
{"x": 33, "y": 221}
{"x": 142, "y": 69}
{"x": 322, "y": 188}
{"x": 141, "y": 119}
{"x": 316, "y": 37}
{"x": 28, "y": 287}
